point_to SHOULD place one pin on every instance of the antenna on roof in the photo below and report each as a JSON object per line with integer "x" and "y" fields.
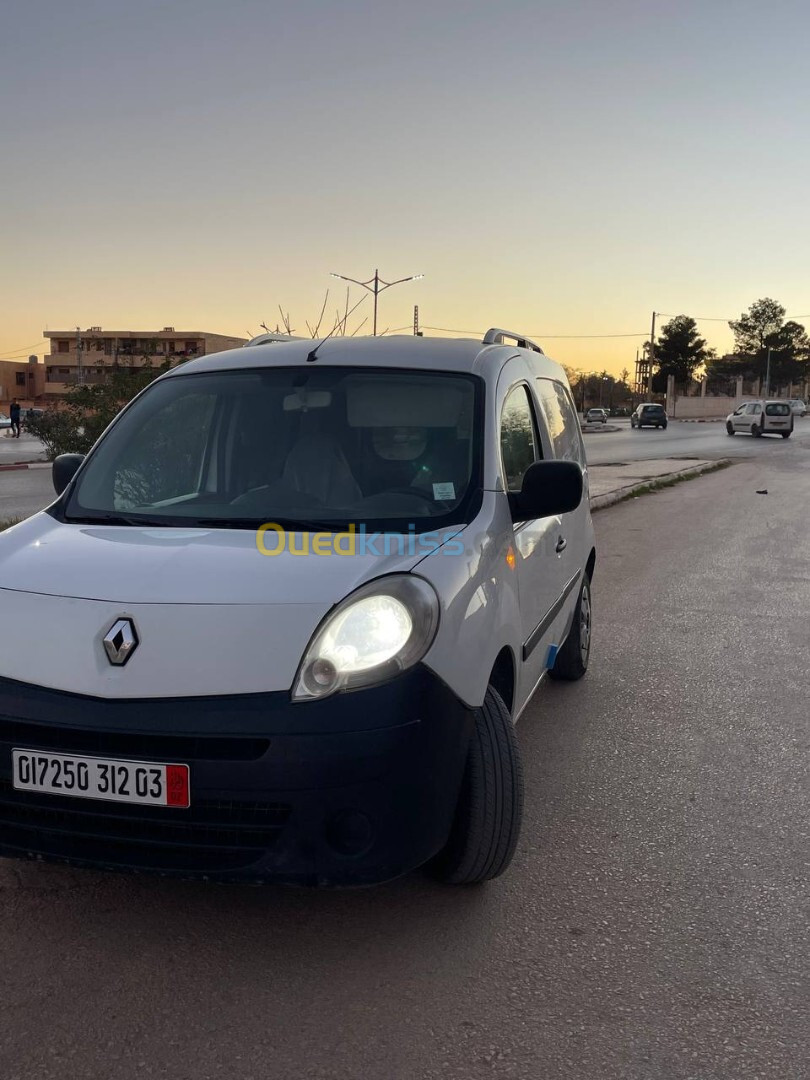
{"x": 311, "y": 355}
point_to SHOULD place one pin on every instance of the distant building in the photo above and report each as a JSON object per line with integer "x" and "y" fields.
{"x": 23, "y": 380}
{"x": 93, "y": 351}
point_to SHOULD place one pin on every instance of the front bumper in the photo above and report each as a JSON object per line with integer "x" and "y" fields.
{"x": 356, "y": 789}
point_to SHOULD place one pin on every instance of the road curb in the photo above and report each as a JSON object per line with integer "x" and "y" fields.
{"x": 701, "y": 420}
{"x": 610, "y": 498}
{"x": 25, "y": 465}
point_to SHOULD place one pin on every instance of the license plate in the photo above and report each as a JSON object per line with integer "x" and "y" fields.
{"x": 141, "y": 782}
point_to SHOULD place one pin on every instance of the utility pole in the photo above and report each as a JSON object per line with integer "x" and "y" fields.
{"x": 652, "y": 356}
{"x": 416, "y": 321}
{"x": 376, "y": 285}
{"x": 80, "y": 370}
{"x": 768, "y": 375}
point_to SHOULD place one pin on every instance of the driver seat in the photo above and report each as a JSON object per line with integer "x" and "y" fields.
{"x": 317, "y": 466}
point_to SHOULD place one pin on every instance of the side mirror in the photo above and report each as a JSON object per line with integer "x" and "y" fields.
{"x": 64, "y": 469}
{"x": 549, "y": 488}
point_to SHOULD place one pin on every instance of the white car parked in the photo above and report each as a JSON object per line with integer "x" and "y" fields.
{"x": 280, "y": 622}
{"x": 761, "y": 418}
{"x": 5, "y": 421}
{"x": 797, "y": 407}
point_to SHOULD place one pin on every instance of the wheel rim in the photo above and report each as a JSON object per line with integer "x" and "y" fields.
{"x": 585, "y": 623}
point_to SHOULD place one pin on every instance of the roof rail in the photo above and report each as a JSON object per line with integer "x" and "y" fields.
{"x": 271, "y": 339}
{"x": 496, "y": 336}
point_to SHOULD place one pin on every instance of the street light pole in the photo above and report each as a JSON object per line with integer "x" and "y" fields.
{"x": 79, "y": 358}
{"x": 376, "y": 285}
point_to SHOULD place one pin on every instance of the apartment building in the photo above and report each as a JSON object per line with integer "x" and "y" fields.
{"x": 23, "y": 380}
{"x": 85, "y": 355}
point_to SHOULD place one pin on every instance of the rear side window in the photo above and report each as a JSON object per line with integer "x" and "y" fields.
{"x": 561, "y": 421}
{"x": 519, "y": 443}
{"x": 777, "y": 410}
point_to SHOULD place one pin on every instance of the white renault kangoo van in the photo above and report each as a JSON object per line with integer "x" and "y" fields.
{"x": 282, "y": 619}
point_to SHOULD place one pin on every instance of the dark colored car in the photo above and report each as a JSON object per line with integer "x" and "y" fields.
{"x": 649, "y": 416}
{"x": 29, "y": 414}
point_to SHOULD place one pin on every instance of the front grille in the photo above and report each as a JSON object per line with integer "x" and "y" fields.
{"x": 137, "y": 745}
{"x": 211, "y": 836}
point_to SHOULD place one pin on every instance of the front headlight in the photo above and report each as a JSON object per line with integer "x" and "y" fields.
{"x": 381, "y": 629}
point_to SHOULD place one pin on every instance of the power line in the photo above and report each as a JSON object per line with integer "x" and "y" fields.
{"x": 710, "y": 318}
{"x": 539, "y": 333}
{"x": 21, "y": 350}
{"x": 643, "y": 333}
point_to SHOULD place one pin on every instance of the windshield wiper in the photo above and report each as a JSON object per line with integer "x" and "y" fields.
{"x": 117, "y": 519}
{"x": 289, "y": 525}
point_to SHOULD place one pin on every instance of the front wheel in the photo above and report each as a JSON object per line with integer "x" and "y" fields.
{"x": 490, "y": 807}
{"x": 785, "y": 434}
{"x": 572, "y": 659}
{"x": 756, "y": 430}
{"x": 729, "y": 428}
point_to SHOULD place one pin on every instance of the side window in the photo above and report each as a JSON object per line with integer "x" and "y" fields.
{"x": 561, "y": 421}
{"x": 519, "y": 443}
{"x": 165, "y": 460}
{"x": 757, "y": 410}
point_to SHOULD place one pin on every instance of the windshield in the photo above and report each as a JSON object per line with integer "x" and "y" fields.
{"x": 302, "y": 447}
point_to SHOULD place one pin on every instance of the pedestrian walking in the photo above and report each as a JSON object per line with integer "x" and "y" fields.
{"x": 15, "y": 419}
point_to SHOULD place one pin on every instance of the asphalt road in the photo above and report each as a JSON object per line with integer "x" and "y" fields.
{"x": 26, "y": 448}
{"x": 708, "y": 440}
{"x": 652, "y": 927}
{"x": 24, "y": 492}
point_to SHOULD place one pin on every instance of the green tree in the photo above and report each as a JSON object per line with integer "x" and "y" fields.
{"x": 680, "y": 351}
{"x": 88, "y": 410}
{"x": 790, "y": 350}
{"x": 754, "y": 327}
{"x": 759, "y": 329}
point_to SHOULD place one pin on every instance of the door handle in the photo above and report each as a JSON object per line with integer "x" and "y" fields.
{"x": 561, "y": 544}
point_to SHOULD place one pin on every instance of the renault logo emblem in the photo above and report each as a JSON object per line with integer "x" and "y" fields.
{"x": 121, "y": 641}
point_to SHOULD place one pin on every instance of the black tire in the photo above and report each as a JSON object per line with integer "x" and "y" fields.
{"x": 490, "y": 807}
{"x": 756, "y": 430}
{"x": 664, "y": 426}
{"x": 730, "y": 428}
{"x": 785, "y": 434}
{"x": 572, "y": 659}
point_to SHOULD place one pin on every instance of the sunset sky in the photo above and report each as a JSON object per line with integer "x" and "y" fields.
{"x": 558, "y": 168}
